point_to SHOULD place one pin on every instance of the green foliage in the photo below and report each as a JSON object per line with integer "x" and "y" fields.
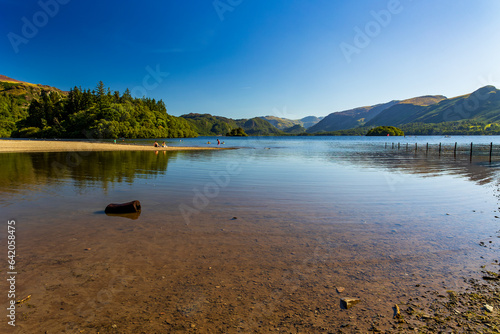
{"x": 208, "y": 125}
{"x": 465, "y": 127}
{"x": 11, "y": 111}
{"x": 95, "y": 114}
{"x": 385, "y": 131}
{"x": 296, "y": 129}
{"x": 259, "y": 127}
{"x": 281, "y": 123}
{"x": 238, "y": 132}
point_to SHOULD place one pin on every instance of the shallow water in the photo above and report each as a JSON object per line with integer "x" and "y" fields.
{"x": 391, "y": 217}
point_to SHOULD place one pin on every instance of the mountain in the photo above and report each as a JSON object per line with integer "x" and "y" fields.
{"x": 482, "y": 105}
{"x": 209, "y": 125}
{"x": 349, "y": 118}
{"x": 365, "y": 116}
{"x": 259, "y": 127}
{"x": 284, "y": 123}
{"x": 295, "y": 130}
{"x": 309, "y": 121}
{"x": 281, "y": 123}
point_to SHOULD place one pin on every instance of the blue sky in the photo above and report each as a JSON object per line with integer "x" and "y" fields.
{"x": 243, "y": 58}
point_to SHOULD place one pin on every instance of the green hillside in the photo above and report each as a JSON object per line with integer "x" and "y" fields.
{"x": 208, "y": 125}
{"x": 259, "y": 127}
{"x": 28, "y": 110}
{"x": 362, "y": 116}
{"x": 15, "y": 99}
{"x": 296, "y": 129}
{"x": 349, "y": 118}
{"x": 281, "y": 123}
{"x": 285, "y": 123}
{"x": 483, "y": 105}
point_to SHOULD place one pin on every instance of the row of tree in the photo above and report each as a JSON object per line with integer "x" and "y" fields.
{"x": 99, "y": 113}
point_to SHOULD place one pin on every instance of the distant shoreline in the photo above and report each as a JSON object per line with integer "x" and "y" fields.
{"x": 13, "y": 146}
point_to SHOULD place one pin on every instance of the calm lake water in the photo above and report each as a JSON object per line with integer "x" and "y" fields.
{"x": 348, "y": 211}
{"x": 440, "y": 200}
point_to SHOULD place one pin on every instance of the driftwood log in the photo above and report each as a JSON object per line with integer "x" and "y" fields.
{"x": 130, "y": 207}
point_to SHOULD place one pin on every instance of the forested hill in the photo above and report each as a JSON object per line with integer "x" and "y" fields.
{"x": 28, "y": 110}
{"x": 208, "y": 125}
{"x": 15, "y": 99}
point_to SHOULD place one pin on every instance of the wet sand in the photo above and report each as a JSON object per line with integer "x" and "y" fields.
{"x": 7, "y": 146}
{"x": 259, "y": 273}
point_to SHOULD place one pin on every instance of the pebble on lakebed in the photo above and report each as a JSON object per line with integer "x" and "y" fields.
{"x": 347, "y": 303}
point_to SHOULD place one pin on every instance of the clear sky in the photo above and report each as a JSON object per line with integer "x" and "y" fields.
{"x": 247, "y": 58}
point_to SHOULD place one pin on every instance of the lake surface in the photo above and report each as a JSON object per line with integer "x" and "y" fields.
{"x": 379, "y": 218}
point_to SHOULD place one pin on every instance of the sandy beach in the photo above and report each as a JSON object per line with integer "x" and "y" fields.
{"x": 7, "y": 146}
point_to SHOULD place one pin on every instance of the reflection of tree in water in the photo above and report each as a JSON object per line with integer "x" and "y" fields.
{"x": 17, "y": 169}
{"x": 86, "y": 169}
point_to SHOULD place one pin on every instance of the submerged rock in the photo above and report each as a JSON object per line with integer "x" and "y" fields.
{"x": 488, "y": 308}
{"x": 347, "y": 303}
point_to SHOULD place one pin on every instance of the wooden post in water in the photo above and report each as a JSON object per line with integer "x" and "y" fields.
{"x": 416, "y": 148}
{"x": 392, "y": 145}
{"x": 491, "y": 150}
{"x": 455, "y": 151}
{"x": 399, "y": 144}
{"x": 440, "y": 149}
{"x": 426, "y": 148}
{"x": 386, "y": 145}
{"x": 470, "y": 152}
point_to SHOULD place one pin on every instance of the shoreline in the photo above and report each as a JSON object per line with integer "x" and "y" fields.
{"x": 25, "y": 145}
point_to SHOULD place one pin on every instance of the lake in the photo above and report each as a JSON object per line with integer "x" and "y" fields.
{"x": 248, "y": 239}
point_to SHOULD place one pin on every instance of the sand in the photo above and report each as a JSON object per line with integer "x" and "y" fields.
{"x": 7, "y": 146}
{"x": 220, "y": 275}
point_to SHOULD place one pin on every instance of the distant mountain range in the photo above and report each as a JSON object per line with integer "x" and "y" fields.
{"x": 481, "y": 106}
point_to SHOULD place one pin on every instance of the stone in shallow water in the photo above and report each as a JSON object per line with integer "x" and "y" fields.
{"x": 347, "y": 303}
{"x": 488, "y": 308}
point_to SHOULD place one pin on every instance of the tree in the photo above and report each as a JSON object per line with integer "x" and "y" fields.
{"x": 238, "y": 132}
{"x": 385, "y": 131}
